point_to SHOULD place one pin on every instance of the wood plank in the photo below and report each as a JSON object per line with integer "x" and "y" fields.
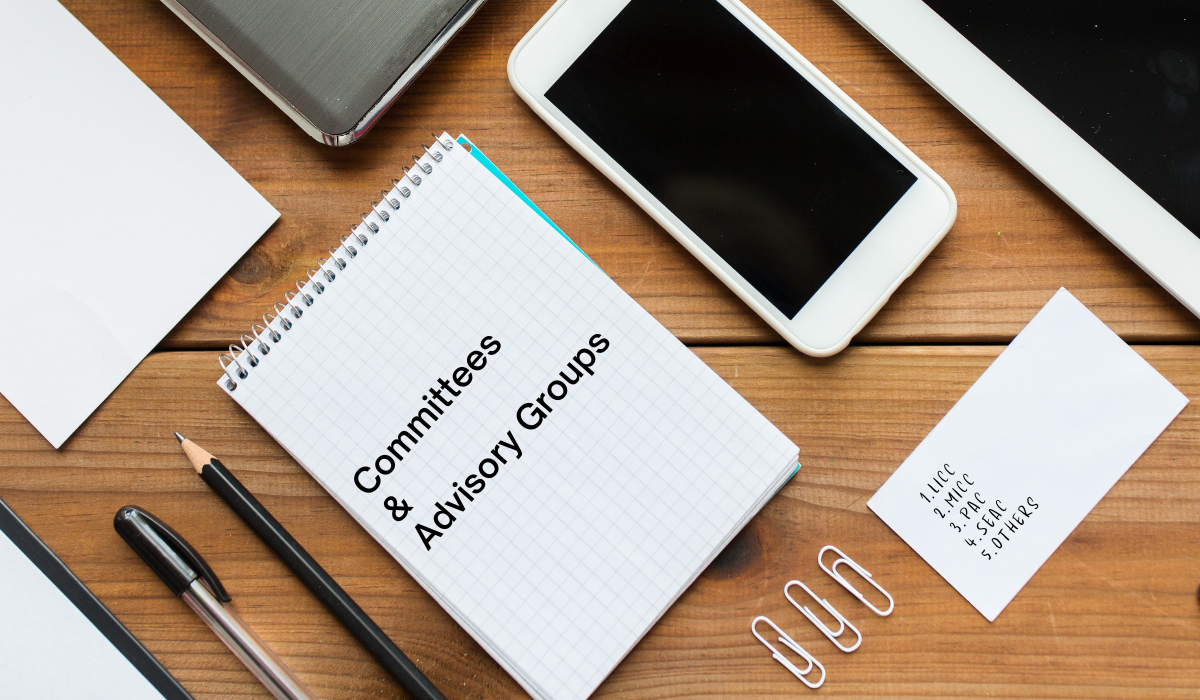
{"x": 1013, "y": 245}
{"x": 1112, "y": 614}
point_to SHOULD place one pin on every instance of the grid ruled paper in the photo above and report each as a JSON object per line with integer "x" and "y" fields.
{"x": 633, "y": 481}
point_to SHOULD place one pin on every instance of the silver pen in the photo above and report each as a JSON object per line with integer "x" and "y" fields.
{"x": 187, "y": 575}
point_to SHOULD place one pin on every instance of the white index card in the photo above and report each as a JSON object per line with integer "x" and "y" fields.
{"x": 1027, "y": 453}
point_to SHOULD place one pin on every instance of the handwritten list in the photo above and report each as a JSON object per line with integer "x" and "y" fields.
{"x": 1027, "y": 453}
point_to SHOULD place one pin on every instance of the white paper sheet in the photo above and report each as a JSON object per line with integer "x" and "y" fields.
{"x": 1026, "y": 453}
{"x": 115, "y": 217}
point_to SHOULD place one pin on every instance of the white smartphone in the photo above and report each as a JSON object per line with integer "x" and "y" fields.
{"x": 789, "y": 192}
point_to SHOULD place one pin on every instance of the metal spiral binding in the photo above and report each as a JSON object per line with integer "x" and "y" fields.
{"x": 337, "y": 262}
{"x": 251, "y": 349}
{"x": 316, "y": 284}
{"x": 349, "y": 248}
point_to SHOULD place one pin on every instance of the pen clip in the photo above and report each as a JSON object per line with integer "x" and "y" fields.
{"x": 176, "y": 544}
{"x": 191, "y": 556}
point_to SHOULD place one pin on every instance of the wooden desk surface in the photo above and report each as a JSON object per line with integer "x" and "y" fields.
{"x": 1112, "y": 614}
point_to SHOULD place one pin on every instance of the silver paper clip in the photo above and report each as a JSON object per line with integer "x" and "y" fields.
{"x": 790, "y": 644}
{"x": 833, "y": 573}
{"x": 843, "y": 623}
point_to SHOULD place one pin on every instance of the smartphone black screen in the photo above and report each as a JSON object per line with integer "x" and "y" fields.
{"x": 727, "y": 135}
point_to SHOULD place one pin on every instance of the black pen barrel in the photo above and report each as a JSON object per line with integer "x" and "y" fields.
{"x": 319, "y": 581}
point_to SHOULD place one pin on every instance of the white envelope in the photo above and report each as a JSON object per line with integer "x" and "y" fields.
{"x": 1026, "y": 453}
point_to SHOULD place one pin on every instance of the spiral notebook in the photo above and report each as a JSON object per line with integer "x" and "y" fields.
{"x": 543, "y": 457}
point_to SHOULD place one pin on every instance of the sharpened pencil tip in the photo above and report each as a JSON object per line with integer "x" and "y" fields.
{"x": 195, "y": 454}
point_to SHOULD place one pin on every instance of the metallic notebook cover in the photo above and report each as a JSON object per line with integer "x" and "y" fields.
{"x": 333, "y": 67}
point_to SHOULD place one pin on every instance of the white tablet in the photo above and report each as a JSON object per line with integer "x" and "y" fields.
{"x": 1101, "y": 101}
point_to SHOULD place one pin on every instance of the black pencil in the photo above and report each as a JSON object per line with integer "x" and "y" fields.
{"x": 310, "y": 572}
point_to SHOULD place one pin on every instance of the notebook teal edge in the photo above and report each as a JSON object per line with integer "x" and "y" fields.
{"x": 483, "y": 160}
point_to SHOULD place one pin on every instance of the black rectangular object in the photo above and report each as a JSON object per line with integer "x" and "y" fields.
{"x": 89, "y": 605}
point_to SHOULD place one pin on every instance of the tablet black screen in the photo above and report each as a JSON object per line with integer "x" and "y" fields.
{"x": 728, "y": 136}
{"x": 1123, "y": 75}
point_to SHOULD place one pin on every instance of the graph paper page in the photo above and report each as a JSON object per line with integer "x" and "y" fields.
{"x": 580, "y": 478}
